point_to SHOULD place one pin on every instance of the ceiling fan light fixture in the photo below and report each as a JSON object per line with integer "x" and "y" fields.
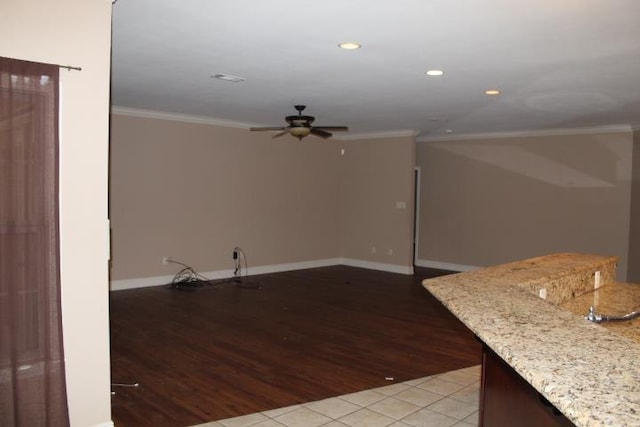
{"x": 300, "y": 132}
{"x": 300, "y": 126}
{"x": 349, "y": 45}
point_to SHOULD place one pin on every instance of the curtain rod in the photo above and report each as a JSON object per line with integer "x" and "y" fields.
{"x": 69, "y": 67}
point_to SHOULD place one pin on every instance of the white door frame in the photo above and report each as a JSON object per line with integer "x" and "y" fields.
{"x": 416, "y": 212}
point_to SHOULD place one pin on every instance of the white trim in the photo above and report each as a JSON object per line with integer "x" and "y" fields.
{"x": 525, "y": 133}
{"x": 277, "y": 268}
{"x": 187, "y": 118}
{"x": 376, "y": 135}
{"x": 145, "y": 282}
{"x": 440, "y": 265}
{"x": 107, "y": 424}
{"x": 416, "y": 212}
{"x": 160, "y": 115}
{"x": 392, "y": 268}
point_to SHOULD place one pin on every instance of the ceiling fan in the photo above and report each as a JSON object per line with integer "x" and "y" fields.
{"x": 300, "y": 126}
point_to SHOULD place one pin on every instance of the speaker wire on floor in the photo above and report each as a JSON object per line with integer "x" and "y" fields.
{"x": 188, "y": 279}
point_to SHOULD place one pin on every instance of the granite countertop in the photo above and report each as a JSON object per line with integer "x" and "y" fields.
{"x": 590, "y": 372}
{"x": 613, "y": 299}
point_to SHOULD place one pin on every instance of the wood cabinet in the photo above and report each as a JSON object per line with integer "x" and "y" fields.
{"x": 506, "y": 399}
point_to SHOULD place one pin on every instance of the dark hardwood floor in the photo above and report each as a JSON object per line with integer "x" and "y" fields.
{"x": 219, "y": 352}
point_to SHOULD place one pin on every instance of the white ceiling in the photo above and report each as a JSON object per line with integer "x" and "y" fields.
{"x": 559, "y": 63}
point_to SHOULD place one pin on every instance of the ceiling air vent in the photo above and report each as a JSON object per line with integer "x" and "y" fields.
{"x": 229, "y": 78}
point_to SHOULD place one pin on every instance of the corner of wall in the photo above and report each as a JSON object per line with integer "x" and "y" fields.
{"x": 633, "y": 265}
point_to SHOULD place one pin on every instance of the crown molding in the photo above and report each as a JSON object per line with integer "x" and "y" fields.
{"x": 525, "y": 133}
{"x": 160, "y": 115}
{"x": 377, "y": 135}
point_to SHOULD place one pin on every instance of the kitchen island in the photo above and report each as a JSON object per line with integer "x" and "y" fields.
{"x": 522, "y": 313}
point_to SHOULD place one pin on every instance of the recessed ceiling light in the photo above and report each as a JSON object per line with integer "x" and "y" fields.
{"x": 435, "y": 73}
{"x": 492, "y": 92}
{"x": 350, "y": 45}
{"x": 229, "y": 78}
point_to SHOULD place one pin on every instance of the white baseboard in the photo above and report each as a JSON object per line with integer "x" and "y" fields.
{"x": 107, "y": 424}
{"x": 445, "y": 265}
{"x": 145, "y": 282}
{"x": 392, "y": 268}
{"x": 278, "y": 268}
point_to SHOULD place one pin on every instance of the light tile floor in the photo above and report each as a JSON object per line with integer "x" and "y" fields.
{"x": 445, "y": 400}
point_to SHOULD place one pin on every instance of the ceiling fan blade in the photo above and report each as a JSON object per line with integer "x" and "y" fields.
{"x": 269, "y": 128}
{"x": 321, "y": 133}
{"x": 300, "y": 126}
{"x": 337, "y": 128}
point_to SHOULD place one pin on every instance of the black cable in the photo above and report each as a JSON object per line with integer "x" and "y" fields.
{"x": 238, "y": 271}
{"x": 237, "y": 274}
{"x": 189, "y": 279}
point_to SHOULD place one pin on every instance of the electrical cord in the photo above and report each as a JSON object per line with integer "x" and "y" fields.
{"x": 189, "y": 279}
{"x": 237, "y": 273}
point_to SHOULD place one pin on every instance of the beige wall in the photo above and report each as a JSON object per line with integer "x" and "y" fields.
{"x": 490, "y": 201}
{"x": 195, "y": 191}
{"x": 633, "y": 274}
{"x": 376, "y": 175}
{"x": 77, "y": 32}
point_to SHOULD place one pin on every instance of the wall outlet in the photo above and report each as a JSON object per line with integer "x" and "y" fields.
{"x": 373, "y": 249}
{"x": 390, "y": 251}
{"x": 401, "y": 205}
{"x": 166, "y": 259}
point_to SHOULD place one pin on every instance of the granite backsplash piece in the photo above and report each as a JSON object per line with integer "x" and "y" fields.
{"x": 560, "y": 287}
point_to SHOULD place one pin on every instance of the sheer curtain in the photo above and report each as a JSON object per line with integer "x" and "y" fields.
{"x": 32, "y": 388}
